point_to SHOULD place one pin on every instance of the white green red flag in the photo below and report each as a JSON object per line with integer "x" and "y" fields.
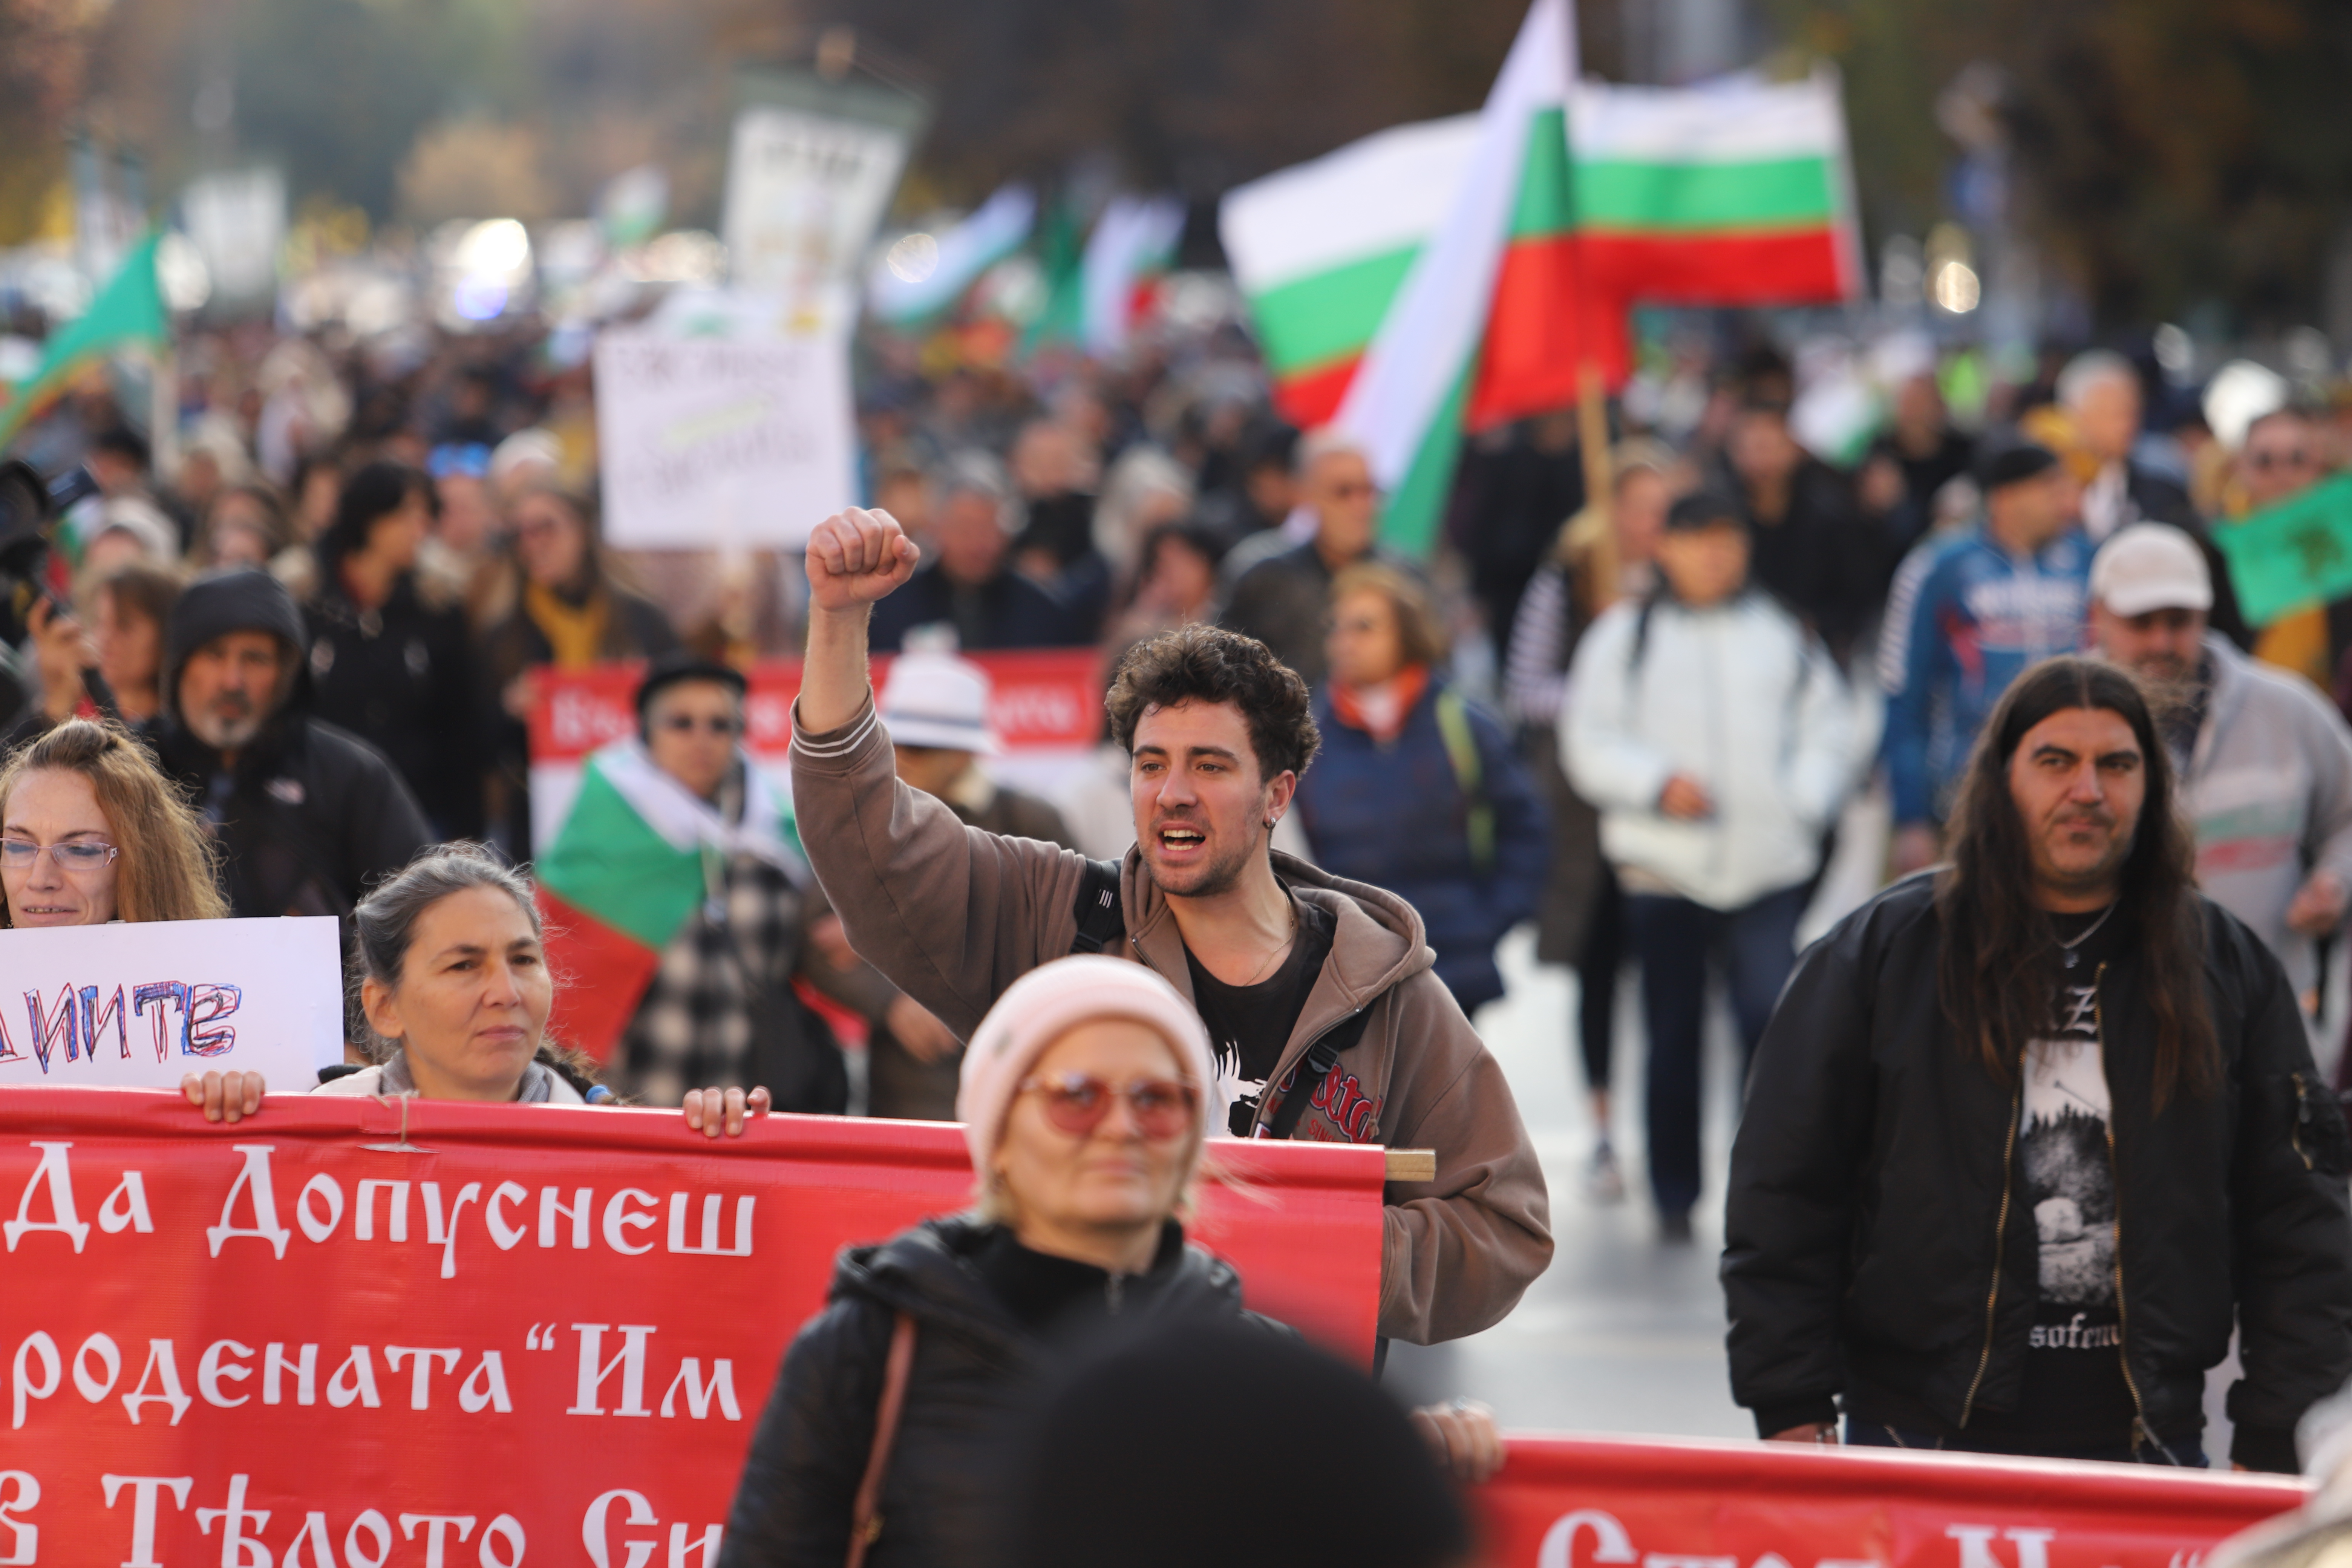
{"x": 1461, "y": 273}
{"x": 626, "y": 871}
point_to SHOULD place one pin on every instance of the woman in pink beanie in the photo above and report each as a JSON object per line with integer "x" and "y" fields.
{"x": 1085, "y": 1098}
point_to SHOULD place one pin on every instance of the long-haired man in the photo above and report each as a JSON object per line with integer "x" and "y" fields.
{"x": 2029, "y": 1131}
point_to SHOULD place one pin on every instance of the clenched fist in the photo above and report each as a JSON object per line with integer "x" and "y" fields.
{"x": 857, "y": 556}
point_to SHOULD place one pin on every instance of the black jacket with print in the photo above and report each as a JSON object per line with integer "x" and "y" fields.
{"x": 1875, "y": 1242}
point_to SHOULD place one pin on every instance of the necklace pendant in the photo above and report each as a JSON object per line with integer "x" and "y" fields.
{"x": 2070, "y": 958}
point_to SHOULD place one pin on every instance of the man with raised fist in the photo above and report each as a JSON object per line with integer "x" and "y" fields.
{"x": 1330, "y": 1022}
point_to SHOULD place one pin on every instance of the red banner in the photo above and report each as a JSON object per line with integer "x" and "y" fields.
{"x": 1593, "y": 1503}
{"x": 348, "y": 1334}
{"x": 507, "y": 1331}
{"x": 1042, "y": 698}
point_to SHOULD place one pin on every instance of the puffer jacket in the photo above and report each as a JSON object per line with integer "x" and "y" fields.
{"x": 1873, "y": 1245}
{"x": 1740, "y": 698}
{"x": 1394, "y": 814}
{"x": 973, "y": 1363}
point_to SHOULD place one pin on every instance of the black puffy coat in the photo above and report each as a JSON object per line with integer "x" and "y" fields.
{"x": 1873, "y": 1247}
{"x": 974, "y": 1363}
{"x": 402, "y": 677}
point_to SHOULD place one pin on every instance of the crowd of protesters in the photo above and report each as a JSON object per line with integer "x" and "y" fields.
{"x": 1632, "y": 697}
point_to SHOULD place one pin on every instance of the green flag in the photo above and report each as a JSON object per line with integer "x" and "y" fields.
{"x": 2292, "y": 554}
{"x": 1061, "y": 252}
{"x": 128, "y": 310}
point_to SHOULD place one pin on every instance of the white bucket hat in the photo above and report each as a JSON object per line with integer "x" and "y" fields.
{"x": 938, "y": 700}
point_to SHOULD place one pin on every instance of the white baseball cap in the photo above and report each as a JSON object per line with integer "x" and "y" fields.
{"x": 2150, "y": 566}
{"x": 938, "y": 700}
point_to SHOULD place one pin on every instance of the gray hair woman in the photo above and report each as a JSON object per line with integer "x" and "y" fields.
{"x": 457, "y": 992}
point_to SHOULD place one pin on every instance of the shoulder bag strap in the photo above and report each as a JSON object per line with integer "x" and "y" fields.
{"x": 866, "y": 1520}
{"x": 1462, "y": 752}
{"x": 1102, "y": 922}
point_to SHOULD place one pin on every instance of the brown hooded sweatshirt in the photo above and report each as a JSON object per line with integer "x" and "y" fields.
{"x": 953, "y": 915}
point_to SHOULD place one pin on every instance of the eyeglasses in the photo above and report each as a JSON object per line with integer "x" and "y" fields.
{"x": 687, "y": 724}
{"x": 1076, "y": 1103}
{"x": 1348, "y": 491}
{"x": 23, "y": 855}
{"x": 2263, "y": 462}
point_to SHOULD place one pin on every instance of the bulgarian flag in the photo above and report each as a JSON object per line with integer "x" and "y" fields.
{"x": 1320, "y": 251}
{"x": 625, "y": 873}
{"x": 1738, "y": 193}
{"x": 1462, "y": 273}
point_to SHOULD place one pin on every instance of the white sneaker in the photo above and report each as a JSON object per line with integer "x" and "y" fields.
{"x": 1603, "y": 1182}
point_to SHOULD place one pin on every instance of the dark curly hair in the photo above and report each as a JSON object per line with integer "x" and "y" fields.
{"x": 1209, "y": 664}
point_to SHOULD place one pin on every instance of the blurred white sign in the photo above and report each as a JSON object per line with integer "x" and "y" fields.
{"x": 118, "y": 1007}
{"x": 238, "y": 223}
{"x": 706, "y": 443}
{"x": 804, "y": 194}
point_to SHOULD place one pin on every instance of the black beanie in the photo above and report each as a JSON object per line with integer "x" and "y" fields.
{"x": 1147, "y": 1456}
{"x": 240, "y": 599}
{"x": 2008, "y": 464}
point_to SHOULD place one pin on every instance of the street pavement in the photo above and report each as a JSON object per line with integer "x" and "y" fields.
{"x": 1621, "y": 1333}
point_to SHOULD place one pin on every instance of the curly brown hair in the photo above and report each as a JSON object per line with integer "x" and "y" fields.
{"x": 1208, "y": 663}
{"x": 167, "y": 861}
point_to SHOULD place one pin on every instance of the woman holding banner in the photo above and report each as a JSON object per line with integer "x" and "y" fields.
{"x": 457, "y": 992}
{"x": 1087, "y": 1094}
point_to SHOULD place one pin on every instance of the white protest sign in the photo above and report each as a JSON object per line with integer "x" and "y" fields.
{"x": 714, "y": 444}
{"x": 804, "y": 192}
{"x": 116, "y": 1006}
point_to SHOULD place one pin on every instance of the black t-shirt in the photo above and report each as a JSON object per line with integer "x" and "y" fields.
{"x": 1249, "y": 1025}
{"x": 2076, "y": 1395}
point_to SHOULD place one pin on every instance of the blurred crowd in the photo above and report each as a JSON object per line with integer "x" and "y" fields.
{"x": 1630, "y": 697}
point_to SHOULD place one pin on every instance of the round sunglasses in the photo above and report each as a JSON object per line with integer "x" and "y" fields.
{"x": 1077, "y": 1103}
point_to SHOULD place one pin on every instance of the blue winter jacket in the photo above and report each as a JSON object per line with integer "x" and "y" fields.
{"x": 1396, "y": 817}
{"x": 1963, "y": 620}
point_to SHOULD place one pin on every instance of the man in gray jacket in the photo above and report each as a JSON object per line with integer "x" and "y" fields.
{"x": 2265, "y": 764}
{"x": 1288, "y": 966}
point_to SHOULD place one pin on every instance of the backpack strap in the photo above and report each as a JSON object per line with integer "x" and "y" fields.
{"x": 1298, "y": 1086}
{"x": 865, "y": 1519}
{"x": 1102, "y": 922}
{"x": 1461, "y": 751}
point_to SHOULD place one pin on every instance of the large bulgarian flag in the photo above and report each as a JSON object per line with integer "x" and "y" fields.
{"x": 1461, "y": 273}
{"x": 625, "y": 872}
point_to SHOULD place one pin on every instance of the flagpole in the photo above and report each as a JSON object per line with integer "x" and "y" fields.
{"x": 1600, "y": 480}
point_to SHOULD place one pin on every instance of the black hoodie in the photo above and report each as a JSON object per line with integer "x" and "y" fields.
{"x": 310, "y": 815}
{"x": 991, "y": 1317}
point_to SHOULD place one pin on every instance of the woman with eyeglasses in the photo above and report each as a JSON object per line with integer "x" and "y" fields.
{"x": 680, "y": 827}
{"x": 1083, "y": 1103}
{"x": 92, "y": 832}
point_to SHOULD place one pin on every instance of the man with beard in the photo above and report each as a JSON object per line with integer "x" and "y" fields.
{"x": 307, "y": 816}
{"x": 2265, "y": 764}
{"x": 1330, "y": 1020}
{"x": 2029, "y": 1131}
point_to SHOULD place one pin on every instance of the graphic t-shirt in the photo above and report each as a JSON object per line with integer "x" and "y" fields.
{"x": 1249, "y": 1025}
{"x": 2075, "y": 1387}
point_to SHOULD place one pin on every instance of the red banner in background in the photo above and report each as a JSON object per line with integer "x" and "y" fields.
{"x": 485, "y": 1334}
{"x": 1043, "y": 699}
{"x": 1564, "y": 1502}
